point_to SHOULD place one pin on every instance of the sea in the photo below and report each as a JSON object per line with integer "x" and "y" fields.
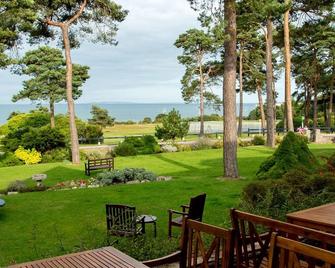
{"x": 122, "y": 111}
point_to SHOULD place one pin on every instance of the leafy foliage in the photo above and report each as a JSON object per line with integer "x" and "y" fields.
{"x": 30, "y": 157}
{"x": 172, "y": 127}
{"x": 138, "y": 145}
{"x": 125, "y": 175}
{"x": 293, "y": 152}
{"x": 101, "y": 117}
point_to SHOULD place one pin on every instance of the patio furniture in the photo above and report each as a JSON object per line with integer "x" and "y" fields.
{"x": 2, "y": 202}
{"x": 253, "y": 235}
{"x": 148, "y": 219}
{"x": 202, "y": 245}
{"x": 320, "y": 218}
{"x": 103, "y": 257}
{"x": 123, "y": 221}
{"x": 286, "y": 253}
{"x": 95, "y": 164}
{"x": 193, "y": 211}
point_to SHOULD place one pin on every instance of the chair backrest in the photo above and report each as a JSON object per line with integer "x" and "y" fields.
{"x": 121, "y": 219}
{"x": 205, "y": 245}
{"x": 253, "y": 235}
{"x": 287, "y": 253}
{"x": 197, "y": 205}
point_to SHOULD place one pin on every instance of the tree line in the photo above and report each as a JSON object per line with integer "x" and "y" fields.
{"x": 252, "y": 42}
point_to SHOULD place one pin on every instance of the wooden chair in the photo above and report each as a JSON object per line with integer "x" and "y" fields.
{"x": 193, "y": 211}
{"x": 287, "y": 253}
{"x": 123, "y": 221}
{"x": 253, "y": 236}
{"x": 202, "y": 245}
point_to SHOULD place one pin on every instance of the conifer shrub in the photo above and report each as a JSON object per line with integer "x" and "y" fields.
{"x": 292, "y": 153}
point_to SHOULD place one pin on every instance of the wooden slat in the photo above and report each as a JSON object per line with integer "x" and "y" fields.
{"x": 104, "y": 258}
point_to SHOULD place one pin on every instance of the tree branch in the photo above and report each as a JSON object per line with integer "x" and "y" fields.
{"x": 53, "y": 23}
{"x": 78, "y": 14}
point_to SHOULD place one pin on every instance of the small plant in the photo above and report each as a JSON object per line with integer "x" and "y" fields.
{"x": 125, "y": 149}
{"x": 258, "y": 140}
{"x": 218, "y": 144}
{"x": 244, "y": 143}
{"x": 28, "y": 156}
{"x": 125, "y": 175}
{"x": 9, "y": 159}
{"x": 56, "y": 155}
{"x": 17, "y": 186}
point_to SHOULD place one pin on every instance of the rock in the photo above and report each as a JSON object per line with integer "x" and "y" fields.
{"x": 11, "y": 193}
{"x": 144, "y": 181}
{"x": 133, "y": 182}
{"x": 164, "y": 178}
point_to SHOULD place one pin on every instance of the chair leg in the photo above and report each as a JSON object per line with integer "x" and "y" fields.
{"x": 170, "y": 226}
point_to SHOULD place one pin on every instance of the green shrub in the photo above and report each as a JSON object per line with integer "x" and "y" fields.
{"x": 17, "y": 186}
{"x": 138, "y": 145}
{"x": 9, "y": 159}
{"x": 202, "y": 144}
{"x": 56, "y": 155}
{"x": 125, "y": 149}
{"x": 258, "y": 140}
{"x": 292, "y": 153}
{"x": 42, "y": 139}
{"x": 125, "y": 175}
{"x": 89, "y": 133}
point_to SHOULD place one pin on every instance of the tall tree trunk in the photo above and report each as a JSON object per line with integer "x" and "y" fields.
{"x": 229, "y": 92}
{"x": 202, "y": 124}
{"x": 331, "y": 97}
{"x": 240, "y": 117}
{"x": 52, "y": 113}
{"x": 287, "y": 49}
{"x": 270, "y": 124}
{"x": 315, "y": 108}
{"x": 261, "y": 107}
{"x": 69, "y": 97}
{"x": 307, "y": 107}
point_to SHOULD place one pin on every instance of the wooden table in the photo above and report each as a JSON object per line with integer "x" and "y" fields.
{"x": 102, "y": 257}
{"x": 321, "y": 218}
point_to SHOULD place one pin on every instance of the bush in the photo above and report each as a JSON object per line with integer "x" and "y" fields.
{"x": 217, "y": 144}
{"x": 125, "y": 149}
{"x": 292, "y": 153}
{"x": 9, "y": 159}
{"x": 146, "y": 120}
{"x": 17, "y": 186}
{"x": 202, "y": 144}
{"x": 184, "y": 147}
{"x": 42, "y": 139}
{"x": 244, "y": 143}
{"x": 169, "y": 148}
{"x": 89, "y": 134}
{"x": 56, "y": 155}
{"x": 125, "y": 175}
{"x": 28, "y": 156}
{"x": 258, "y": 140}
{"x": 138, "y": 145}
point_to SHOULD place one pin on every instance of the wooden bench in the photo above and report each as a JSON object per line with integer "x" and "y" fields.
{"x": 95, "y": 164}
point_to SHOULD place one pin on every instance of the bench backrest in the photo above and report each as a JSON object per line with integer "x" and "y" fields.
{"x": 253, "y": 235}
{"x": 100, "y": 162}
{"x": 287, "y": 253}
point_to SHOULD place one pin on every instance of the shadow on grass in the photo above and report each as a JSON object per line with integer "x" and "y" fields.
{"x": 177, "y": 163}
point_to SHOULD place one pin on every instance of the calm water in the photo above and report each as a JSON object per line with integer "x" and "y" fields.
{"x": 122, "y": 112}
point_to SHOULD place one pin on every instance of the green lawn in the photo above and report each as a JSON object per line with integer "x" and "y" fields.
{"x": 39, "y": 225}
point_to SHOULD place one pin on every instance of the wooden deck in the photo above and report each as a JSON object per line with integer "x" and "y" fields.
{"x": 103, "y": 257}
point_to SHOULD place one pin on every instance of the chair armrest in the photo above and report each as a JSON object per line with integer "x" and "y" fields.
{"x": 185, "y": 207}
{"x": 171, "y": 211}
{"x": 174, "y": 257}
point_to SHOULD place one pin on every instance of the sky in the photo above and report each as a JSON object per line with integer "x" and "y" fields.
{"x": 143, "y": 67}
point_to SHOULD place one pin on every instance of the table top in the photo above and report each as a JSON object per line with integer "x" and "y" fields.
{"x": 102, "y": 257}
{"x": 2, "y": 202}
{"x": 148, "y": 218}
{"x": 322, "y": 215}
